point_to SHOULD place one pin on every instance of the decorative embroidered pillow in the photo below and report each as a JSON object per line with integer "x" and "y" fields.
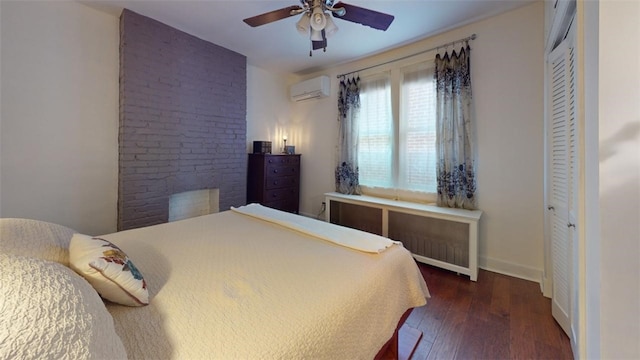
{"x": 108, "y": 269}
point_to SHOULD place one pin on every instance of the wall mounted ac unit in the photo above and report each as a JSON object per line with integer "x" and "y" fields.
{"x": 315, "y": 88}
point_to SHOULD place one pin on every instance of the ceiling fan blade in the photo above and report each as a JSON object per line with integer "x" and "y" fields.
{"x": 356, "y": 14}
{"x": 271, "y": 16}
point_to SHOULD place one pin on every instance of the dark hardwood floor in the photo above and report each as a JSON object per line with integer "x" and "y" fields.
{"x": 498, "y": 317}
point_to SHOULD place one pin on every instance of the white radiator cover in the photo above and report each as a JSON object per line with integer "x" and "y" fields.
{"x": 443, "y": 237}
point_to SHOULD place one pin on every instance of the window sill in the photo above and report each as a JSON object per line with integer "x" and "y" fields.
{"x": 432, "y": 208}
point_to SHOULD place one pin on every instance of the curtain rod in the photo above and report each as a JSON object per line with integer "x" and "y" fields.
{"x": 472, "y": 37}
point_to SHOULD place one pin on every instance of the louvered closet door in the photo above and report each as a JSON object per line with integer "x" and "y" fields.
{"x": 574, "y": 196}
{"x": 561, "y": 178}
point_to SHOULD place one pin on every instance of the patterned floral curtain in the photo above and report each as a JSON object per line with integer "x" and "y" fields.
{"x": 348, "y": 108}
{"x": 454, "y": 145}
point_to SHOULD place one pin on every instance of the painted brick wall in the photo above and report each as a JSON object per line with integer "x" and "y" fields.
{"x": 182, "y": 120}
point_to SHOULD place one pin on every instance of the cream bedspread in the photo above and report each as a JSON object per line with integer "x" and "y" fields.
{"x": 230, "y": 286}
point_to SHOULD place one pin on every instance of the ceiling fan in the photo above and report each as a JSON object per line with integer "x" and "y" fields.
{"x": 316, "y": 21}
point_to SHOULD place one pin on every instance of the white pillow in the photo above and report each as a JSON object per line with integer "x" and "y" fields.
{"x": 34, "y": 238}
{"x": 49, "y": 312}
{"x": 108, "y": 269}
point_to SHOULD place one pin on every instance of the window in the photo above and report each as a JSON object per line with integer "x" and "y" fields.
{"x": 397, "y": 133}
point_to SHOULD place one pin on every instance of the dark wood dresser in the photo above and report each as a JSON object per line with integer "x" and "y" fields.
{"x": 274, "y": 181}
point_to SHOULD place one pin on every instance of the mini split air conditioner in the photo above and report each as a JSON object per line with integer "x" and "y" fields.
{"x": 310, "y": 89}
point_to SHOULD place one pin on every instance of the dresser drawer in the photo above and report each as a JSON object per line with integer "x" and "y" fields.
{"x": 276, "y": 170}
{"x": 290, "y": 205}
{"x": 281, "y": 194}
{"x": 282, "y": 160}
{"x": 277, "y": 182}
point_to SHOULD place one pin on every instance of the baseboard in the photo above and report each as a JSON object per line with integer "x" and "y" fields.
{"x": 511, "y": 269}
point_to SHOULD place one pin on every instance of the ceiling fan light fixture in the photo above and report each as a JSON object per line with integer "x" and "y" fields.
{"x": 318, "y": 20}
{"x": 303, "y": 25}
{"x": 316, "y": 35}
{"x": 331, "y": 28}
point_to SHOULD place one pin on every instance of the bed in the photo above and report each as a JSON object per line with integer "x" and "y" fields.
{"x": 248, "y": 283}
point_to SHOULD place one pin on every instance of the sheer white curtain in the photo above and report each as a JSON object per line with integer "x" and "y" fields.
{"x": 375, "y": 150}
{"x": 456, "y": 163}
{"x": 346, "y": 174}
{"x": 417, "y": 158}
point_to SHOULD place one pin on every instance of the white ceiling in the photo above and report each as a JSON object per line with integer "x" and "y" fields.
{"x": 279, "y": 47}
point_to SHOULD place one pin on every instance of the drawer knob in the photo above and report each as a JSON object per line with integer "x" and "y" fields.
{"x": 275, "y": 171}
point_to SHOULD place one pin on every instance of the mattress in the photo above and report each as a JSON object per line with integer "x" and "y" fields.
{"x": 233, "y": 286}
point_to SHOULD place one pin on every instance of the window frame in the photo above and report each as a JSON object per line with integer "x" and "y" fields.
{"x": 394, "y": 71}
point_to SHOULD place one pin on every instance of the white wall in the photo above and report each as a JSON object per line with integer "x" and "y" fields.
{"x": 508, "y": 77}
{"x": 619, "y": 180}
{"x": 508, "y": 85}
{"x": 588, "y": 333}
{"x": 59, "y": 114}
{"x": 268, "y": 109}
